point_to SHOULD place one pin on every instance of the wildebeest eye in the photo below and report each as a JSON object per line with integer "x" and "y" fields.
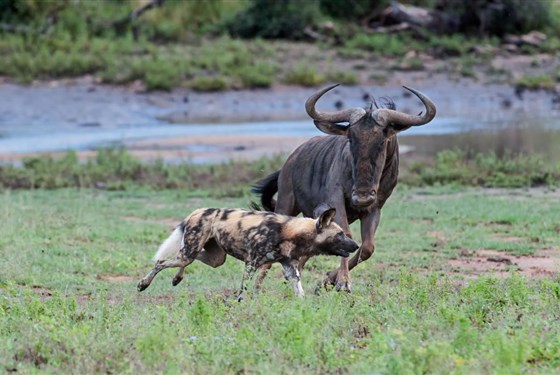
{"x": 340, "y": 236}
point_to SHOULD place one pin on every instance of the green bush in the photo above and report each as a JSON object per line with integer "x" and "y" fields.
{"x": 259, "y": 75}
{"x": 383, "y": 44}
{"x": 344, "y": 77}
{"x": 500, "y": 17}
{"x": 285, "y": 19}
{"x": 354, "y": 11}
{"x": 209, "y": 83}
{"x": 484, "y": 169}
{"x": 304, "y": 75}
{"x": 536, "y": 82}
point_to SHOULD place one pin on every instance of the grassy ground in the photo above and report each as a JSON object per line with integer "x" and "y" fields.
{"x": 68, "y": 301}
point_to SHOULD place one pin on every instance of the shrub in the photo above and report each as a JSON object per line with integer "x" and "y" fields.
{"x": 536, "y": 82}
{"x": 304, "y": 75}
{"x": 258, "y": 75}
{"x": 345, "y": 77}
{"x": 381, "y": 43}
{"x": 209, "y": 83}
{"x": 267, "y": 19}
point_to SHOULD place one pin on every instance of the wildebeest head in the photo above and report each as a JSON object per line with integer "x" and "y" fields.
{"x": 368, "y": 132}
{"x": 330, "y": 239}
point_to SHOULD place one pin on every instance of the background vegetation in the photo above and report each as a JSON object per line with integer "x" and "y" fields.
{"x": 194, "y": 43}
{"x": 116, "y": 169}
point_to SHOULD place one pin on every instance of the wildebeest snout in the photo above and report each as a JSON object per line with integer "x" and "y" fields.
{"x": 363, "y": 198}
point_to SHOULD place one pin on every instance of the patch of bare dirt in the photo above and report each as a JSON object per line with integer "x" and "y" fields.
{"x": 43, "y": 293}
{"x": 439, "y": 238}
{"x": 115, "y": 278}
{"x": 543, "y": 263}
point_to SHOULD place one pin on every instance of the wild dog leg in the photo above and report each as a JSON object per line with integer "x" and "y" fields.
{"x": 193, "y": 245}
{"x": 247, "y": 276}
{"x": 263, "y": 270}
{"x": 286, "y": 205}
{"x": 160, "y": 266}
{"x": 178, "y": 276}
{"x": 291, "y": 272}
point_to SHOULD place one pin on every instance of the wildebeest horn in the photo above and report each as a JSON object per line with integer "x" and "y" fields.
{"x": 389, "y": 116}
{"x": 347, "y": 115}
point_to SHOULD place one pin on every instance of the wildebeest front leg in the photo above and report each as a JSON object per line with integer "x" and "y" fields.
{"x": 292, "y": 273}
{"x": 247, "y": 276}
{"x": 340, "y": 277}
{"x": 179, "y": 261}
{"x": 368, "y": 227}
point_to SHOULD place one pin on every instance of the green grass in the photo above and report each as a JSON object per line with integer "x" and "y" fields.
{"x": 116, "y": 169}
{"x": 537, "y": 82}
{"x": 72, "y": 258}
{"x": 305, "y": 75}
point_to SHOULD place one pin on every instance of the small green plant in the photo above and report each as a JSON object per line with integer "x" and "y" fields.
{"x": 536, "y": 82}
{"x": 449, "y": 45}
{"x": 209, "y": 83}
{"x": 344, "y": 77}
{"x": 304, "y": 75}
{"x": 412, "y": 63}
{"x": 382, "y": 44}
{"x": 259, "y": 75}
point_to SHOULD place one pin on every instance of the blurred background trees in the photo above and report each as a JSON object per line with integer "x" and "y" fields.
{"x": 174, "y": 21}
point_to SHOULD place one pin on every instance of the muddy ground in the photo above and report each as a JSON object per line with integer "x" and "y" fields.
{"x": 82, "y": 114}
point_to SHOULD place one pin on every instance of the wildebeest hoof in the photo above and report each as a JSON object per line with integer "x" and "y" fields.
{"x": 345, "y": 286}
{"x": 176, "y": 280}
{"x": 142, "y": 286}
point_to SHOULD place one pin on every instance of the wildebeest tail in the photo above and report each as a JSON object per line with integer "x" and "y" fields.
{"x": 172, "y": 244}
{"x": 266, "y": 188}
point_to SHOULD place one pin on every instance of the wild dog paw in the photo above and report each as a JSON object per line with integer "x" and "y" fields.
{"x": 176, "y": 280}
{"x": 142, "y": 285}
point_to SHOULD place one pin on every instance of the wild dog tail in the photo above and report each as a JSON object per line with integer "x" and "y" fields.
{"x": 172, "y": 244}
{"x": 266, "y": 188}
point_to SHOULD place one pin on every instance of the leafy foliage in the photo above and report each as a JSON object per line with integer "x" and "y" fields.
{"x": 275, "y": 19}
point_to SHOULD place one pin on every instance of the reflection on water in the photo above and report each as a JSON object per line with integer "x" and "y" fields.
{"x": 524, "y": 138}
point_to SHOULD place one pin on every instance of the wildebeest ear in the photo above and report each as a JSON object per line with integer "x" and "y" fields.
{"x": 331, "y": 127}
{"x": 325, "y": 218}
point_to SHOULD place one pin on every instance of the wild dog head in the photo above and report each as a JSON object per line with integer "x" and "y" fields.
{"x": 330, "y": 239}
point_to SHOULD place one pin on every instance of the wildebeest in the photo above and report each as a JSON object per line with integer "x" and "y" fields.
{"x": 354, "y": 170}
{"x": 254, "y": 237}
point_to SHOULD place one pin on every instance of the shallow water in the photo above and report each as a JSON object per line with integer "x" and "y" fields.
{"x": 473, "y": 117}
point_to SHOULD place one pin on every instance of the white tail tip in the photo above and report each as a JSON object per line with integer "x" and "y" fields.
{"x": 171, "y": 245}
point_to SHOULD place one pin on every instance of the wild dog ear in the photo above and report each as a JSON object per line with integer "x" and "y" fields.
{"x": 325, "y": 218}
{"x": 331, "y": 127}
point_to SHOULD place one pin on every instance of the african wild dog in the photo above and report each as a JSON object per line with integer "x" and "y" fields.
{"x": 254, "y": 237}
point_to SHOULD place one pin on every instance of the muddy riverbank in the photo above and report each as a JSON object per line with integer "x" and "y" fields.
{"x": 246, "y": 124}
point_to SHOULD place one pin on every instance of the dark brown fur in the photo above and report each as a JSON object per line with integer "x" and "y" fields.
{"x": 254, "y": 237}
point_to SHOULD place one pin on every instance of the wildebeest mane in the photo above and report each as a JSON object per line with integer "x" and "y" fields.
{"x": 386, "y": 102}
